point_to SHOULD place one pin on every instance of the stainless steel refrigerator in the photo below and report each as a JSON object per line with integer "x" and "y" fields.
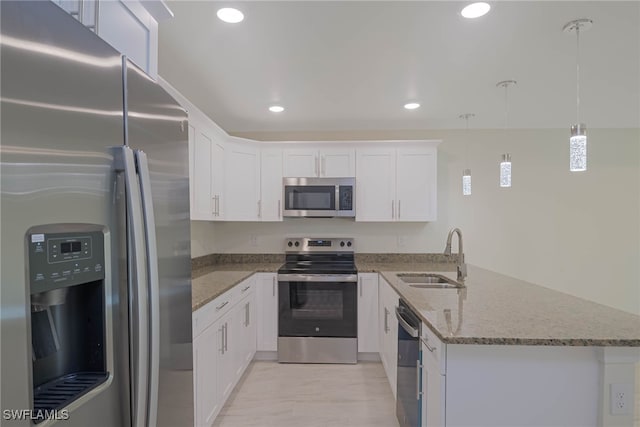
{"x": 95, "y": 263}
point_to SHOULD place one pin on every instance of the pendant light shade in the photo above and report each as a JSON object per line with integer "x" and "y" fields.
{"x": 578, "y": 148}
{"x": 505, "y": 170}
{"x": 505, "y": 164}
{"x": 466, "y": 182}
{"x": 578, "y": 138}
{"x": 466, "y": 173}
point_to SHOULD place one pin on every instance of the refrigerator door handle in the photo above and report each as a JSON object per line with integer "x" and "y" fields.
{"x": 138, "y": 304}
{"x": 154, "y": 284}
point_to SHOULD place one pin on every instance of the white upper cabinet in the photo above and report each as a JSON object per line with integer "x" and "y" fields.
{"x": 397, "y": 183}
{"x": 207, "y": 171}
{"x": 242, "y": 181}
{"x": 130, "y": 26}
{"x": 271, "y": 184}
{"x": 375, "y": 184}
{"x": 317, "y": 161}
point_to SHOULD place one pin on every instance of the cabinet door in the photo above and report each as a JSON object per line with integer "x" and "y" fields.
{"x": 367, "y": 312}
{"x": 206, "y": 348}
{"x": 432, "y": 389}
{"x": 416, "y": 184}
{"x": 225, "y": 368}
{"x": 337, "y": 162}
{"x": 390, "y": 338}
{"x": 301, "y": 162}
{"x": 203, "y": 200}
{"x": 375, "y": 184}
{"x": 271, "y": 184}
{"x": 217, "y": 166}
{"x": 130, "y": 29}
{"x": 267, "y": 312}
{"x": 242, "y": 189}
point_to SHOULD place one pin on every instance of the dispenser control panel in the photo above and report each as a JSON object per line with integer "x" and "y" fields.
{"x": 64, "y": 255}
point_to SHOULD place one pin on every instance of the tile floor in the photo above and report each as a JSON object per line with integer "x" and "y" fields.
{"x": 305, "y": 395}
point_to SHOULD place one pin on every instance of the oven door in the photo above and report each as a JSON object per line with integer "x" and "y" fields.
{"x": 317, "y": 306}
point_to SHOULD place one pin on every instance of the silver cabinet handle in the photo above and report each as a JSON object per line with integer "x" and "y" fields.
{"x": 259, "y": 208}
{"x": 226, "y": 336}
{"x": 221, "y": 330}
{"x": 218, "y": 308}
{"x": 279, "y": 209}
{"x": 153, "y": 290}
{"x": 246, "y": 289}
{"x": 213, "y": 205}
{"x": 418, "y": 372}
{"x": 424, "y": 341}
{"x": 393, "y": 209}
{"x": 124, "y": 161}
{"x": 246, "y": 315}
{"x": 218, "y": 205}
{"x": 315, "y": 166}
{"x": 386, "y": 320}
{"x": 399, "y": 209}
{"x": 274, "y": 285}
{"x": 361, "y": 287}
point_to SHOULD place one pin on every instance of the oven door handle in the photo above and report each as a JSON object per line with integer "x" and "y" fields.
{"x": 413, "y": 332}
{"x": 318, "y": 278}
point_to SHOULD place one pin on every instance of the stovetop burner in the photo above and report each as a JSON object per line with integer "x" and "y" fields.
{"x": 319, "y": 256}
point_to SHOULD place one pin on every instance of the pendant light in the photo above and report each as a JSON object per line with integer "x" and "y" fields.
{"x": 466, "y": 173}
{"x": 578, "y": 138}
{"x": 505, "y": 163}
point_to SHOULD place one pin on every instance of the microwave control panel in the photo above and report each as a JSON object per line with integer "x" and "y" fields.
{"x": 346, "y": 197}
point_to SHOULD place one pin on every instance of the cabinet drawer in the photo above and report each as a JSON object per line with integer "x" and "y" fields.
{"x": 207, "y": 315}
{"x": 435, "y": 349}
{"x": 245, "y": 288}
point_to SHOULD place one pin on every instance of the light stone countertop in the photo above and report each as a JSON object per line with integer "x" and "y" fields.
{"x": 496, "y": 309}
{"x": 209, "y": 282}
{"x": 492, "y": 309}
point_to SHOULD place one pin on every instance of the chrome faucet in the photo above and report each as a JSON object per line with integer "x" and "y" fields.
{"x": 461, "y": 267}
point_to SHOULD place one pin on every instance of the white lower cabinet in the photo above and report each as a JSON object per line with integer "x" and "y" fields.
{"x": 267, "y": 311}
{"x": 433, "y": 380}
{"x": 224, "y": 342}
{"x": 368, "y": 313}
{"x": 388, "y": 331}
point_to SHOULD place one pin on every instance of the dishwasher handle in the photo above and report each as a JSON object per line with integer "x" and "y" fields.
{"x": 413, "y": 332}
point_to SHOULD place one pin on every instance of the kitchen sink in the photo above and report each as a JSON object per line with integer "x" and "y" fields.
{"x": 429, "y": 280}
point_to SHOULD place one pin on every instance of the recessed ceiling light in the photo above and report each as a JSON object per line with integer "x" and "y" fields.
{"x": 411, "y": 106}
{"x": 276, "y": 109}
{"x": 475, "y": 10}
{"x": 230, "y": 15}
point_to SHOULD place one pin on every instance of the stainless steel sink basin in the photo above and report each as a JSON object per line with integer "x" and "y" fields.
{"x": 429, "y": 280}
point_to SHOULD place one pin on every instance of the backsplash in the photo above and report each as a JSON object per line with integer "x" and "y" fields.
{"x": 213, "y": 259}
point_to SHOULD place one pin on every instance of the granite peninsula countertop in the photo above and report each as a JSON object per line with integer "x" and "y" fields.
{"x": 492, "y": 309}
{"x": 496, "y": 309}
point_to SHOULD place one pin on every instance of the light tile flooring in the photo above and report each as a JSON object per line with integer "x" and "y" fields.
{"x": 307, "y": 395}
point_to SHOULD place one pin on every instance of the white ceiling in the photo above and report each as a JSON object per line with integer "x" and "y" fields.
{"x": 353, "y": 65}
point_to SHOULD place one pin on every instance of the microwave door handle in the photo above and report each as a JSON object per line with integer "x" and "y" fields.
{"x": 153, "y": 290}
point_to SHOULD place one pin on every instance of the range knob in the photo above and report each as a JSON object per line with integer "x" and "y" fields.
{"x": 289, "y": 244}
{"x": 297, "y": 244}
{"x": 342, "y": 244}
{"x": 349, "y": 244}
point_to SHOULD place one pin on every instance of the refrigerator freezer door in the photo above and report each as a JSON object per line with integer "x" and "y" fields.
{"x": 61, "y": 89}
{"x": 157, "y": 125}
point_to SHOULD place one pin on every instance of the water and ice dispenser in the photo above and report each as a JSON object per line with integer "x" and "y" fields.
{"x": 68, "y": 325}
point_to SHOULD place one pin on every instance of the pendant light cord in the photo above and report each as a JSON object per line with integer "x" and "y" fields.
{"x": 466, "y": 144}
{"x": 506, "y": 107}
{"x": 578, "y": 74}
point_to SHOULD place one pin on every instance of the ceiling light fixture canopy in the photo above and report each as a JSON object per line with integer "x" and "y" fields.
{"x": 276, "y": 109}
{"x": 475, "y": 10}
{"x": 505, "y": 164}
{"x": 578, "y": 138}
{"x": 411, "y": 105}
{"x": 230, "y": 15}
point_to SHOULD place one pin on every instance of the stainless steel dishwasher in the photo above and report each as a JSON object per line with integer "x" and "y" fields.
{"x": 409, "y": 393}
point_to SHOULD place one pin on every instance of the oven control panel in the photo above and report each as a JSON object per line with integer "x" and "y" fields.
{"x": 308, "y": 244}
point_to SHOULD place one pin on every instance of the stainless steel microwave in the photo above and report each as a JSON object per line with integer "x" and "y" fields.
{"x": 319, "y": 197}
